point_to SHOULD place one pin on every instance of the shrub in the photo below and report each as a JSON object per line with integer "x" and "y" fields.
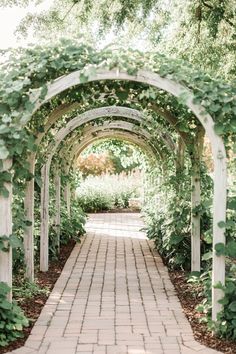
{"x": 71, "y": 228}
{"x": 12, "y": 319}
{"x": 170, "y": 230}
{"x": 108, "y": 192}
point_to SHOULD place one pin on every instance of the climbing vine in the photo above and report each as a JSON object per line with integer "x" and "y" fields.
{"x": 25, "y": 75}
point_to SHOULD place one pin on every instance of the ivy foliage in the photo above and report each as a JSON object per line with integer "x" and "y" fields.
{"x": 25, "y": 74}
{"x": 12, "y": 319}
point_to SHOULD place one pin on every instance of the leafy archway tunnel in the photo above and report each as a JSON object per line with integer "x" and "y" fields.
{"x": 57, "y": 100}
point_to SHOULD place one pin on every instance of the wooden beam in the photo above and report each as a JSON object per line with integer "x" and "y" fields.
{"x": 29, "y": 230}
{"x": 196, "y": 200}
{"x": 6, "y": 229}
{"x": 44, "y": 215}
{"x": 58, "y": 207}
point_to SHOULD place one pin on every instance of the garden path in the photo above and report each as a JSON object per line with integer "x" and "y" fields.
{"x": 114, "y": 296}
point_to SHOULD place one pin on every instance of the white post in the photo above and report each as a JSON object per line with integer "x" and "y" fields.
{"x": 44, "y": 212}
{"x": 195, "y": 219}
{"x": 29, "y": 230}
{"x": 58, "y": 207}
{"x": 196, "y": 200}
{"x": 67, "y": 196}
{"x": 219, "y": 215}
{"x": 6, "y": 230}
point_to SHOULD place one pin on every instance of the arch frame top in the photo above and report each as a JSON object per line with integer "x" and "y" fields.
{"x": 218, "y": 149}
{"x": 142, "y": 76}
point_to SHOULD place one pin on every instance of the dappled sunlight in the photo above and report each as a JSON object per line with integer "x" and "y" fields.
{"x": 102, "y": 225}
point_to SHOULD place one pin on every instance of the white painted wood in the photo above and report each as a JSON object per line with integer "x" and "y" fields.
{"x": 29, "y": 230}
{"x": 127, "y": 136}
{"x": 45, "y": 185}
{"x": 195, "y": 201}
{"x": 44, "y": 218}
{"x": 58, "y": 206}
{"x": 6, "y": 230}
{"x": 68, "y": 198}
{"x": 195, "y": 219}
{"x": 219, "y": 214}
{"x": 29, "y": 190}
{"x": 63, "y": 132}
{"x": 218, "y": 149}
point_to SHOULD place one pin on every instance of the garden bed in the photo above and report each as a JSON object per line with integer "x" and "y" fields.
{"x": 187, "y": 295}
{"x": 33, "y": 306}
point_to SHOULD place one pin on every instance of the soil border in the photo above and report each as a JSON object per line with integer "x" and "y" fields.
{"x": 189, "y": 300}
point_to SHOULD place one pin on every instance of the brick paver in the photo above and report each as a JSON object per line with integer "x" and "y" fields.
{"x": 114, "y": 296}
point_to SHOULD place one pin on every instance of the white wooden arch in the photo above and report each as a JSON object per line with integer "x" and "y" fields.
{"x": 56, "y": 114}
{"x": 141, "y": 137}
{"x": 165, "y": 139}
{"x": 218, "y": 150}
{"x": 153, "y": 152}
{"x": 107, "y": 111}
{"x": 61, "y": 135}
{"x": 127, "y": 136}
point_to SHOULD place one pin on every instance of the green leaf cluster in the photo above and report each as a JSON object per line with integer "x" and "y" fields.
{"x": 12, "y": 319}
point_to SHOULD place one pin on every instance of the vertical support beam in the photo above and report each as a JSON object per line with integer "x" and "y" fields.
{"x": 195, "y": 201}
{"x": 67, "y": 197}
{"x": 219, "y": 214}
{"x": 6, "y": 229}
{"x": 180, "y": 155}
{"x": 44, "y": 214}
{"x": 58, "y": 207}
{"x": 29, "y": 230}
{"x": 179, "y": 163}
{"x": 195, "y": 219}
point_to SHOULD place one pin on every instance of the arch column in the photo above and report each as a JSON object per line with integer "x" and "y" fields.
{"x": 67, "y": 197}
{"x": 67, "y": 192}
{"x": 195, "y": 201}
{"x": 44, "y": 217}
{"x": 29, "y": 190}
{"x": 219, "y": 215}
{"x": 29, "y": 214}
{"x": 57, "y": 181}
{"x": 6, "y": 229}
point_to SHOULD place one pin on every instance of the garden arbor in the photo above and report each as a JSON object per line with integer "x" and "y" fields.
{"x": 156, "y": 73}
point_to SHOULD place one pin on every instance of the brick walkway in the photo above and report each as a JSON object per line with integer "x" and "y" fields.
{"x": 113, "y": 296}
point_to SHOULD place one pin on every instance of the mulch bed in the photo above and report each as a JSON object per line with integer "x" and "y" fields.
{"x": 33, "y": 306}
{"x": 189, "y": 301}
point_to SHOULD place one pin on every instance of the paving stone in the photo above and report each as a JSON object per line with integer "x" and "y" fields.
{"x": 114, "y": 296}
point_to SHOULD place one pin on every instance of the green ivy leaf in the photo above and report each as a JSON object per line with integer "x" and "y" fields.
{"x": 232, "y": 203}
{"x": 207, "y": 256}
{"x": 4, "y": 288}
{"x": 221, "y": 224}
{"x": 4, "y": 153}
{"x": 15, "y": 242}
{"x": 4, "y": 192}
{"x": 220, "y": 249}
{"x": 83, "y": 78}
{"x": 232, "y": 306}
{"x": 5, "y": 305}
{"x": 231, "y": 249}
{"x": 219, "y": 128}
{"x": 4, "y": 129}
